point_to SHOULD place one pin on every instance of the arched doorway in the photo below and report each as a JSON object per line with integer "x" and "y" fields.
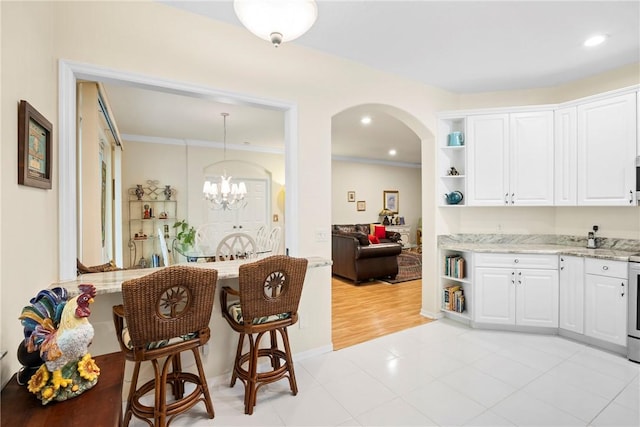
{"x": 361, "y": 164}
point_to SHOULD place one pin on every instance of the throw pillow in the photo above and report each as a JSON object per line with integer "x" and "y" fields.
{"x": 380, "y": 232}
{"x": 373, "y": 239}
{"x": 363, "y": 239}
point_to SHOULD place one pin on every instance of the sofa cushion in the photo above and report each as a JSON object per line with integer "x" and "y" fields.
{"x": 362, "y": 238}
{"x": 380, "y": 232}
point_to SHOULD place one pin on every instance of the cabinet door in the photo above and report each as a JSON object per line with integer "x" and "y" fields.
{"x": 606, "y": 308}
{"x": 488, "y": 160}
{"x": 531, "y": 158}
{"x": 572, "y": 294}
{"x": 566, "y": 157}
{"x": 495, "y": 296}
{"x": 537, "y": 298}
{"x": 607, "y": 151}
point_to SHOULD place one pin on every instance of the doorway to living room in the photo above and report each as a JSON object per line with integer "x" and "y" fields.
{"x": 369, "y": 161}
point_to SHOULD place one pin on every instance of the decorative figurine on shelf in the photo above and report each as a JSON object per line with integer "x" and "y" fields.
{"x": 57, "y": 327}
{"x": 163, "y": 215}
{"x": 453, "y": 172}
{"x": 146, "y": 214}
{"x": 139, "y": 191}
{"x": 168, "y": 192}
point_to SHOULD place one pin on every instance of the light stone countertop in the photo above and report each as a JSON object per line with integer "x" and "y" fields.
{"x": 111, "y": 281}
{"x": 528, "y": 248}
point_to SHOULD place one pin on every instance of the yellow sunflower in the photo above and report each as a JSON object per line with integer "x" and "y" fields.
{"x": 87, "y": 368}
{"x": 39, "y": 379}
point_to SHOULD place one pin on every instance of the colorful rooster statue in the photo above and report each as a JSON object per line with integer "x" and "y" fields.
{"x": 58, "y": 327}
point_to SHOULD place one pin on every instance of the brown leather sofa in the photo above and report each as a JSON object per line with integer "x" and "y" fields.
{"x": 354, "y": 258}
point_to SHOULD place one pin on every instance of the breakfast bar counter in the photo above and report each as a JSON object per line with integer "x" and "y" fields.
{"x": 111, "y": 281}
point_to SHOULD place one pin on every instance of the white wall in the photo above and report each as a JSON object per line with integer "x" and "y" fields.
{"x": 149, "y": 38}
{"x": 369, "y": 181}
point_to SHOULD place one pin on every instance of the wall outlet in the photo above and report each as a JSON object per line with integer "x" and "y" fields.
{"x": 322, "y": 235}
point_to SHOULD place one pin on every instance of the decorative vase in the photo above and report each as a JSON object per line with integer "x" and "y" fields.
{"x": 167, "y": 192}
{"x": 139, "y": 191}
{"x": 386, "y": 221}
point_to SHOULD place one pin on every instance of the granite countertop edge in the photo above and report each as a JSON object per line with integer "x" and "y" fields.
{"x": 111, "y": 282}
{"x": 549, "y": 249}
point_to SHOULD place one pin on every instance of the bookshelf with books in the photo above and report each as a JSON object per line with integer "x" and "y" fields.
{"x": 456, "y": 285}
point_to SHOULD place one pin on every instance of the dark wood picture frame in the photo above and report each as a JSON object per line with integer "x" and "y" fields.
{"x": 34, "y": 147}
{"x": 391, "y": 200}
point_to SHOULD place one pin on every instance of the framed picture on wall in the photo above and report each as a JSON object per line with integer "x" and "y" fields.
{"x": 390, "y": 200}
{"x": 362, "y": 205}
{"x": 351, "y": 196}
{"x": 34, "y": 147}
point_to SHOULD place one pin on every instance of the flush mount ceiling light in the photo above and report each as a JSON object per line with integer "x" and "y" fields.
{"x": 365, "y": 120}
{"x": 277, "y": 21}
{"x": 595, "y": 40}
{"x": 392, "y": 152}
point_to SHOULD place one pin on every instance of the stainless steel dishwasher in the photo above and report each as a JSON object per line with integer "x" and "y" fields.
{"x": 633, "y": 323}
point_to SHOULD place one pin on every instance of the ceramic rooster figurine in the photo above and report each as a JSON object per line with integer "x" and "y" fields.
{"x": 58, "y": 327}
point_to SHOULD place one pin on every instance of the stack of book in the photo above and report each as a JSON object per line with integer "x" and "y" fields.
{"x": 454, "y": 266}
{"x": 453, "y": 298}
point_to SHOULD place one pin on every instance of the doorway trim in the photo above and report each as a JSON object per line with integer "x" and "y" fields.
{"x": 69, "y": 72}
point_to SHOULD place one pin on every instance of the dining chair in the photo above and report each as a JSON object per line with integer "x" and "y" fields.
{"x": 164, "y": 248}
{"x": 261, "y": 237}
{"x": 273, "y": 241}
{"x": 266, "y": 302}
{"x": 164, "y": 314}
{"x": 207, "y": 237}
{"x": 236, "y": 246}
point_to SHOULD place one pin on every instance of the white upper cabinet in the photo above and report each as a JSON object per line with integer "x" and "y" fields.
{"x": 510, "y": 159}
{"x": 607, "y": 151}
{"x": 487, "y": 159}
{"x": 531, "y": 169}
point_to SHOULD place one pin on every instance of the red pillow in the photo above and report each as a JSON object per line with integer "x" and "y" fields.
{"x": 373, "y": 239}
{"x": 380, "y": 232}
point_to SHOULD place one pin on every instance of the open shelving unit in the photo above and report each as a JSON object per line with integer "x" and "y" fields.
{"x": 451, "y": 157}
{"x": 449, "y": 278}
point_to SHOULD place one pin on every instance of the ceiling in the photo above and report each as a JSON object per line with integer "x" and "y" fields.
{"x": 464, "y": 47}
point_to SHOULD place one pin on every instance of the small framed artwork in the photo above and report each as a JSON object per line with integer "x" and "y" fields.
{"x": 362, "y": 205}
{"x": 34, "y": 147}
{"x": 351, "y": 196}
{"x": 390, "y": 200}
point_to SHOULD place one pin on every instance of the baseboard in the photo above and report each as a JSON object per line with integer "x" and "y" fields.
{"x": 430, "y": 315}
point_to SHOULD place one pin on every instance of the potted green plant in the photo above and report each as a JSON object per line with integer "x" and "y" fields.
{"x": 185, "y": 235}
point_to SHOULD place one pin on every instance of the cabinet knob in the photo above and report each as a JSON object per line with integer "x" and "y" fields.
{"x": 516, "y": 260}
{"x": 630, "y": 197}
{"x": 506, "y": 198}
{"x": 605, "y": 267}
{"x": 513, "y": 198}
{"x": 622, "y": 293}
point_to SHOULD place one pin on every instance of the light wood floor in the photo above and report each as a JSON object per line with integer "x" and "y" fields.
{"x": 366, "y": 311}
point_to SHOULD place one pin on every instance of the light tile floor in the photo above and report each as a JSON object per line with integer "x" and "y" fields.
{"x": 442, "y": 374}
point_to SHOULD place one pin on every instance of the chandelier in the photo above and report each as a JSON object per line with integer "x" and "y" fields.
{"x": 277, "y": 21}
{"x": 227, "y": 195}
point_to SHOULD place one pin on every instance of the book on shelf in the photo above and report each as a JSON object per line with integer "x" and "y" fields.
{"x": 453, "y": 298}
{"x": 454, "y": 266}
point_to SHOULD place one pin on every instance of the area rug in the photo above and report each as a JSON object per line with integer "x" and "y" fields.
{"x": 409, "y": 267}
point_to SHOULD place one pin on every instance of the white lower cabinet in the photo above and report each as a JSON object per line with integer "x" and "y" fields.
{"x": 606, "y": 300}
{"x": 572, "y": 293}
{"x": 516, "y": 289}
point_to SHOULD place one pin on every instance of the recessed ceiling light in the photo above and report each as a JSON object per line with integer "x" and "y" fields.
{"x": 365, "y": 120}
{"x": 595, "y": 40}
{"x": 392, "y": 152}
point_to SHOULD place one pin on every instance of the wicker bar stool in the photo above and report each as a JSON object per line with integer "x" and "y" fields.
{"x": 269, "y": 295}
{"x": 164, "y": 314}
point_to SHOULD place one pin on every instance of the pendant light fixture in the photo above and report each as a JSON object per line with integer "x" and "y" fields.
{"x": 226, "y": 195}
{"x": 277, "y": 21}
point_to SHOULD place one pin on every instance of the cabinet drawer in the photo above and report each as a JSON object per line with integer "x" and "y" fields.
{"x": 516, "y": 260}
{"x": 605, "y": 267}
